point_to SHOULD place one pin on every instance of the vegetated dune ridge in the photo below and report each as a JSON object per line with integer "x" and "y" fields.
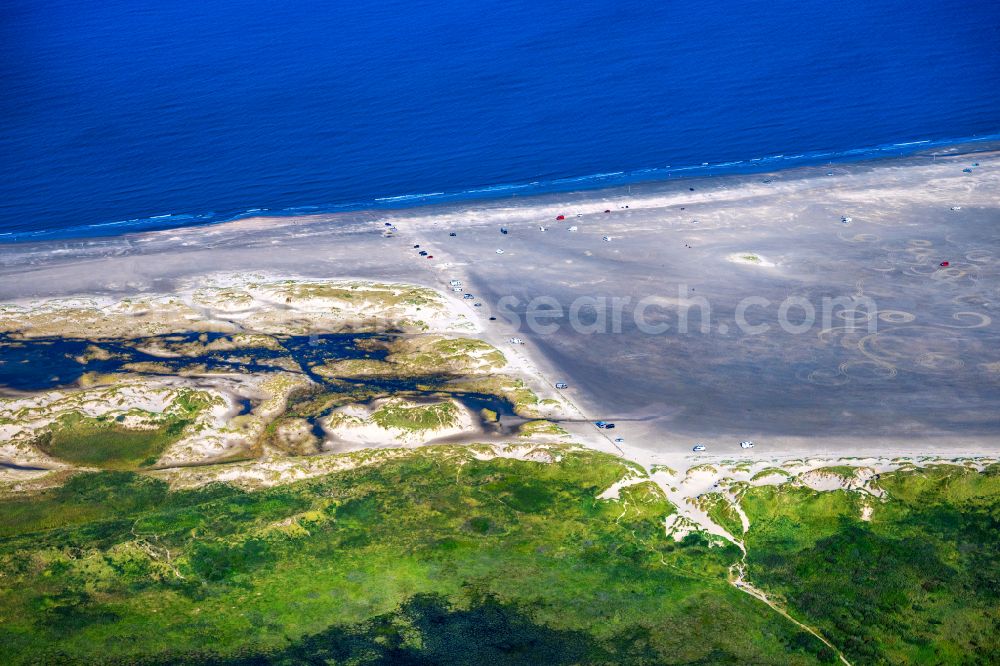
{"x": 377, "y": 555}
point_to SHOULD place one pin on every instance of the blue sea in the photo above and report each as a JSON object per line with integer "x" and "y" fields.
{"x": 120, "y": 116}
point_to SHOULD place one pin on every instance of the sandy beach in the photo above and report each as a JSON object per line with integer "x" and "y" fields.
{"x": 914, "y": 239}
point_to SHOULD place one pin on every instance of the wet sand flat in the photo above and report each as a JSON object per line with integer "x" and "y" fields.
{"x": 916, "y": 362}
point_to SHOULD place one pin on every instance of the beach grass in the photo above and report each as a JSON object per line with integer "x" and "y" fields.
{"x": 104, "y": 443}
{"x": 918, "y": 582}
{"x": 394, "y": 560}
{"x": 404, "y": 558}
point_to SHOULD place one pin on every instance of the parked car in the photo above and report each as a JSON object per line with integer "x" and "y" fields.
{"x": 562, "y": 385}
{"x": 698, "y": 448}
{"x": 746, "y": 445}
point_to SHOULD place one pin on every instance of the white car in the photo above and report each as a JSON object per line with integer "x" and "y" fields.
{"x": 516, "y": 341}
{"x": 619, "y": 440}
{"x": 499, "y": 251}
{"x": 455, "y": 283}
{"x": 698, "y": 448}
{"x": 562, "y": 385}
{"x": 746, "y": 445}
{"x": 573, "y": 228}
{"x": 607, "y": 239}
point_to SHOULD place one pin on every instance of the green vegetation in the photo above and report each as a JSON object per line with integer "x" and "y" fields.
{"x": 752, "y": 258}
{"x": 645, "y": 501}
{"x": 429, "y": 557}
{"x": 101, "y": 442}
{"x": 433, "y": 354}
{"x": 406, "y": 416}
{"x": 843, "y": 472}
{"x": 448, "y": 365}
{"x": 522, "y": 399}
{"x": 769, "y": 471}
{"x": 435, "y": 556}
{"x": 441, "y": 364}
{"x": 358, "y": 367}
{"x": 917, "y": 583}
{"x": 420, "y": 356}
{"x": 108, "y": 442}
{"x": 225, "y": 343}
{"x": 722, "y": 513}
{"x": 541, "y": 427}
{"x": 378, "y": 295}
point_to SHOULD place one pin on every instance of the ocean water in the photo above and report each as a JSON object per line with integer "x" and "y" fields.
{"x": 128, "y": 115}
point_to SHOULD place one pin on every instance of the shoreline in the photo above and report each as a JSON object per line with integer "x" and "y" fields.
{"x": 656, "y": 193}
{"x": 666, "y": 391}
{"x": 780, "y": 164}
